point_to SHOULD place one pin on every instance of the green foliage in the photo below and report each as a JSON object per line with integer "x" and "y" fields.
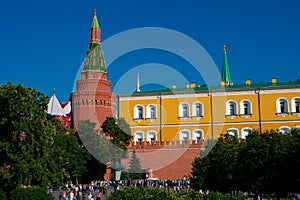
{"x": 109, "y": 145}
{"x": 75, "y": 156}
{"x": 142, "y": 193}
{"x": 211, "y": 171}
{"x": 30, "y": 194}
{"x": 135, "y": 169}
{"x": 118, "y": 131}
{"x": 3, "y": 195}
{"x": 34, "y": 151}
{"x": 269, "y": 158}
{"x": 97, "y": 144}
{"x": 255, "y": 164}
{"x": 28, "y": 155}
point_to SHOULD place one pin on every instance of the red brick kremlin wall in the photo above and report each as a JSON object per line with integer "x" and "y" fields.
{"x": 168, "y": 160}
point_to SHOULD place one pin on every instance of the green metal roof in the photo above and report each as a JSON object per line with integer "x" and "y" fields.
{"x": 205, "y": 88}
{"x": 94, "y": 60}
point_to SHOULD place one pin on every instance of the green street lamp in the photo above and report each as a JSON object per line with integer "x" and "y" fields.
{"x": 116, "y": 169}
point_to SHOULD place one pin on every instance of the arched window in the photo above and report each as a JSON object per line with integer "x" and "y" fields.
{"x": 151, "y": 112}
{"x": 245, "y": 132}
{"x": 184, "y": 110}
{"x": 233, "y": 132}
{"x": 138, "y": 112}
{"x": 231, "y": 108}
{"x": 245, "y": 107}
{"x": 296, "y": 105}
{"x": 197, "y": 109}
{"x": 282, "y": 106}
{"x": 151, "y": 136}
{"x": 138, "y": 137}
{"x": 184, "y": 135}
{"x": 198, "y": 135}
{"x": 284, "y": 130}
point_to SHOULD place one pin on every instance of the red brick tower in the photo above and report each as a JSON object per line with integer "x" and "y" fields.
{"x": 93, "y": 99}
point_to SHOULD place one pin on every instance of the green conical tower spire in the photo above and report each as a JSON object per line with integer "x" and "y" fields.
{"x": 94, "y": 60}
{"x": 95, "y": 23}
{"x": 226, "y": 79}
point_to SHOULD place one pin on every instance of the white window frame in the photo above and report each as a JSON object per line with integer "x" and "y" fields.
{"x": 149, "y": 135}
{"x": 149, "y": 111}
{"x": 293, "y": 104}
{"x": 231, "y": 130}
{"x": 245, "y": 131}
{"x": 242, "y": 107}
{"x": 194, "y": 109}
{"x": 138, "y": 135}
{"x": 228, "y": 113}
{"x": 196, "y": 133}
{"x": 180, "y": 110}
{"x": 183, "y": 133}
{"x": 136, "y": 112}
{"x": 282, "y": 128}
{"x": 278, "y": 106}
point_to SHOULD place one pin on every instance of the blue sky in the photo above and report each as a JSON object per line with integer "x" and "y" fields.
{"x": 43, "y": 43}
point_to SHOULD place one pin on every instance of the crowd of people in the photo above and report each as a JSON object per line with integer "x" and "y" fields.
{"x": 91, "y": 191}
{"x": 98, "y": 188}
{"x": 173, "y": 184}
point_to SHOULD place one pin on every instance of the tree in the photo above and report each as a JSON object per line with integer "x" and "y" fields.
{"x": 213, "y": 170}
{"x": 135, "y": 168}
{"x": 119, "y": 134}
{"x": 98, "y": 146}
{"x": 108, "y": 145}
{"x": 265, "y": 162}
{"x": 96, "y": 143}
{"x": 27, "y": 147}
{"x": 26, "y": 143}
{"x": 75, "y": 156}
{"x": 268, "y": 158}
{"x": 118, "y": 131}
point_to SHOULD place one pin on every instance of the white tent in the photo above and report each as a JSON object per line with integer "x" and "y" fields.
{"x": 54, "y": 107}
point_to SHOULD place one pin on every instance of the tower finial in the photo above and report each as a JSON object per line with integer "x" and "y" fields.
{"x": 138, "y": 84}
{"x": 225, "y": 48}
{"x": 95, "y": 12}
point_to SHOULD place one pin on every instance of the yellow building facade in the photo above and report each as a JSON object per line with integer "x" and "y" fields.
{"x": 196, "y": 112}
{"x": 199, "y": 113}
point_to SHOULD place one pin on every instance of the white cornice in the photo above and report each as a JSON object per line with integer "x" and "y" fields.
{"x": 216, "y": 124}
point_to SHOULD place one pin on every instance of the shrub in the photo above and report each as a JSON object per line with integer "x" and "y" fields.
{"x": 3, "y": 196}
{"x": 30, "y": 194}
{"x": 141, "y": 193}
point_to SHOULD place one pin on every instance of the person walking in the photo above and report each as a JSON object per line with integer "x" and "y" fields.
{"x": 77, "y": 197}
{"x": 99, "y": 196}
{"x": 71, "y": 195}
